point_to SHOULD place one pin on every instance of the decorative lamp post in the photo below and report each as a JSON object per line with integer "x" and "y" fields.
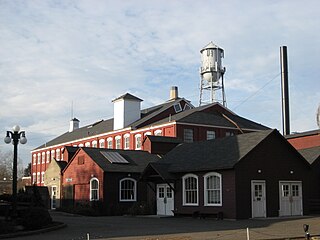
{"x": 15, "y": 136}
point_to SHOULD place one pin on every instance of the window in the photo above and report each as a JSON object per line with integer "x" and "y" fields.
{"x": 43, "y": 157}
{"x": 188, "y": 135}
{"x": 81, "y": 145}
{"x": 190, "y": 189}
{"x": 186, "y": 107}
{"x": 34, "y": 159}
{"x": 212, "y": 189}
{"x": 38, "y": 177}
{"x": 228, "y": 134}
{"x": 128, "y": 189}
{"x": 118, "y": 142}
{"x": 80, "y": 160}
{"x": 138, "y": 141}
{"x": 101, "y": 143}
{"x": 147, "y": 133}
{"x": 34, "y": 178}
{"x": 94, "y": 144}
{"x": 42, "y": 177}
{"x": 61, "y": 153}
{"x": 58, "y": 154}
{"x": 109, "y": 142}
{"x": 177, "y": 107}
{"x": 211, "y": 135}
{"x": 39, "y": 158}
{"x": 87, "y": 144}
{"x": 48, "y": 156}
{"x": 158, "y": 132}
{"x": 53, "y": 152}
{"x": 126, "y": 141}
{"x": 94, "y": 189}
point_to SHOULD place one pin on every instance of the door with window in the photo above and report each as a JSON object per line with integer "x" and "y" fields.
{"x": 258, "y": 193}
{"x": 53, "y": 197}
{"x": 165, "y": 200}
{"x": 291, "y": 199}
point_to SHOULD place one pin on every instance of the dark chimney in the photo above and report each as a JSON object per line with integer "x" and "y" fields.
{"x": 284, "y": 91}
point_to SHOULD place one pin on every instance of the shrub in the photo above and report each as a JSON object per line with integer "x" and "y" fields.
{"x": 36, "y": 218}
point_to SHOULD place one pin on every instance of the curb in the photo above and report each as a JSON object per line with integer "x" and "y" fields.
{"x": 42, "y": 230}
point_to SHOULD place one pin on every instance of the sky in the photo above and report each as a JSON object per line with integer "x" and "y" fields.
{"x": 70, "y": 58}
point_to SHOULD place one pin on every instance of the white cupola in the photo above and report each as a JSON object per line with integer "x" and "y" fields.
{"x": 126, "y": 110}
{"x": 74, "y": 124}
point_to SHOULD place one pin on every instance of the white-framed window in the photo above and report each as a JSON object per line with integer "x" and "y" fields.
{"x": 94, "y": 144}
{"x": 188, "y": 135}
{"x": 118, "y": 142}
{"x": 58, "y": 154}
{"x": 42, "y": 177}
{"x": 39, "y": 158}
{"x": 158, "y": 132}
{"x": 48, "y": 156}
{"x": 94, "y": 189}
{"x": 34, "y": 159}
{"x": 38, "y": 177}
{"x": 127, "y": 141}
{"x": 62, "y": 153}
{"x": 43, "y": 157}
{"x": 147, "y": 133}
{"x": 81, "y": 145}
{"x": 186, "y": 107}
{"x": 87, "y": 144}
{"x": 53, "y": 153}
{"x": 128, "y": 190}
{"x": 109, "y": 142}
{"x": 177, "y": 107}
{"x": 211, "y": 135}
{"x": 101, "y": 143}
{"x": 138, "y": 141}
{"x": 212, "y": 189}
{"x": 34, "y": 178}
{"x": 190, "y": 190}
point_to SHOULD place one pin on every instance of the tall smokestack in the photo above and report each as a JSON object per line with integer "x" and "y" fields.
{"x": 284, "y": 91}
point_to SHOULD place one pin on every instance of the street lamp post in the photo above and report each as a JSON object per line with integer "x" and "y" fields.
{"x": 14, "y": 137}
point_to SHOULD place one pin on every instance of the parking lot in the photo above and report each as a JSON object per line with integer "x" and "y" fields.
{"x": 152, "y": 228}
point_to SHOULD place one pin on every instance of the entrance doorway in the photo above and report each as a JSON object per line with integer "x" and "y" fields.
{"x": 258, "y": 193}
{"x": 165, "y": 200}
{"x": 53, "y": 197}
{"x": 290, "y": 199}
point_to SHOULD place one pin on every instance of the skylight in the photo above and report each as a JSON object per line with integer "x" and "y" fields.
{"x": 114, "y": 157}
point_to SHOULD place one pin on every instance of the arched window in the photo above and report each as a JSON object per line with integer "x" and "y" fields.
{"x": 118, "y": 142}
{"x": 127, "y": 141}
{"x": 138, "y": 141}
{"x": 109, "y": 142}
{"x": 212, "y": 189}
{"x": 94, "y": 189}
{"x": 101, "y": 143}
{"x": 190, "y": 189}
{"x": 158, "y": 132}
{"x": 94, "y": 144}
{"x": 128, "y": 189}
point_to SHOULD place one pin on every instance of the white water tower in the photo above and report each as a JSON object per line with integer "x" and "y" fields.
{"x": 211, "y": 73}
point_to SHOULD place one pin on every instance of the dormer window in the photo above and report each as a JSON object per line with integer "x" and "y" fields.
{"x": 177, "y": 107}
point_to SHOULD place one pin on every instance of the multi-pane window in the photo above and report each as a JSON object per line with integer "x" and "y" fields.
{"x": 38, "y": 177}
{"x": 158, "y": 132}
{"x": 58, "y": 154}
{"x": 190, "y": 189}
{"x": 138, "y": 141}
{"x": 101, "y": 143}
{"x": 211, "y": 135}
{"x": 42, "y": 177}
{"x": 228, "y": 134}
{"x": 295, "y": 190}
{"x": 109, "y": 143}
{"x": 39, "y": 158}
{"x": 128, "y": 189}
{"x": 188, "y": 135}
{"x": 53, "y": 152}
{"x": 212, "y": 189}
{"x": 48, "y": 156}
{"x": 43, "y": 157}
{"x": 34, "y": 178}
{"x": 87, "y": 144}
{"x": 34, "y": 159}
{"x": 94, "y": 189}
{"x": 118, "y": 142}
{"x": 126, "y": 141}
{"x": 94, "y": 144}
{"x": 61, "y": 157}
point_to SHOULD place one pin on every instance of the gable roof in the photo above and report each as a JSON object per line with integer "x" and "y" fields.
{"x": 310, "y": 154}
{"x": 137, "y": 160}
{"x": 218, "y": 154}
{"x": 128, "y": 96}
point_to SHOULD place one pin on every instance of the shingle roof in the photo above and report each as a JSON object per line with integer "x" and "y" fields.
{"x": 163, "y": 139}
{"x": 310, "y": 154}
{"x": 138, "y": 160}
{"x": 222, "y": 153}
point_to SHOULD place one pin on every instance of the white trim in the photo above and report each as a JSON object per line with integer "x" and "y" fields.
{"x": 92, "y": 179}
{"x": 134, "y": 190}
{"x": 136, "y": 141}
{"x": 184, "y": 190}
{"x": 264, "y": 195}
{"x": 205, "y": 193}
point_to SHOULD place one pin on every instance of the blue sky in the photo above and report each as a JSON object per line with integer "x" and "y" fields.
{"x": 88, "y": 52}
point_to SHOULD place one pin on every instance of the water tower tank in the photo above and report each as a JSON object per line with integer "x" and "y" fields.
{"x": 211, "y": 63}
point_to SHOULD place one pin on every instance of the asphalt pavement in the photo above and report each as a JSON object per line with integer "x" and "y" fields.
{"x": 175, "y": 228}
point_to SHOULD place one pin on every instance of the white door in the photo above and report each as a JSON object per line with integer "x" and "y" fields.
{"x": 53, "y": 197}
{"x": 291, "y": 199}
{"x": 165, "y": 200}
{"x": 258, "y": 193}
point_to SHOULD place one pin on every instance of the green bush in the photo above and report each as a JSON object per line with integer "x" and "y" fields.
{"x": 36, "y": 218}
